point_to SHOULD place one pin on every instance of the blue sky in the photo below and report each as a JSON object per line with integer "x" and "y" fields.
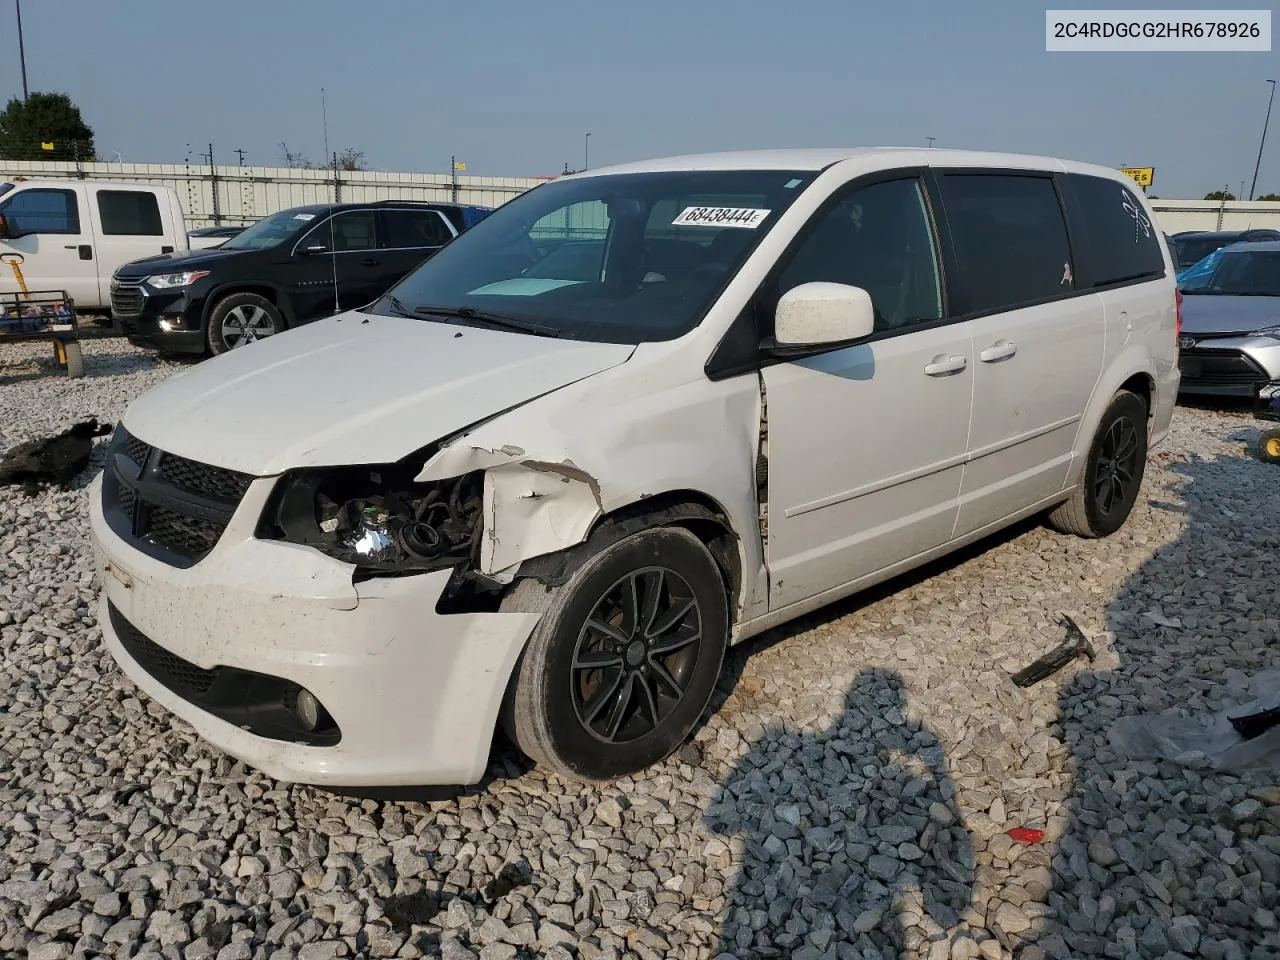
{"x": 511, "y": 88}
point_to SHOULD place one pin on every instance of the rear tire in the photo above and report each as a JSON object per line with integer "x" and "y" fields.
{"x": 1269, "y": 446}
{"x": 239, "y": 319}
{"x": 1113, "y": 473}
{"x": 624, "y": 660}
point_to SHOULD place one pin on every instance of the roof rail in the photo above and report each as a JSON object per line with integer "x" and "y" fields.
{"x": 409, "y": 203}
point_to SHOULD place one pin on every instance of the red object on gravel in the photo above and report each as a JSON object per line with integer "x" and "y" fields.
{"x": 1026, "y": 835}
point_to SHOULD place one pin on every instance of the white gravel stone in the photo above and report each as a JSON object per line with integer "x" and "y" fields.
{"x": 848, "y": 799}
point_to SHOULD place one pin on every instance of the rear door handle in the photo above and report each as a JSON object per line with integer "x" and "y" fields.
{"x": 369, "y": 262}
{"x": 943, "y": 365}
{"x": 1000, "y": 350}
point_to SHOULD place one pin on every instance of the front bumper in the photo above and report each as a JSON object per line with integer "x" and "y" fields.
{"x": 414, "y": 693}
{"x": 1230, "y": 366}
{"x": 169, "y": 321}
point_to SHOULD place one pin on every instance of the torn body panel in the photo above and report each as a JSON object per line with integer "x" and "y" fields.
{"x": 557, "y": 467}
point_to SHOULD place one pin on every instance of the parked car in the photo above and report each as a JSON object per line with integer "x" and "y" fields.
{"x": 1194, "y": 246}
{"x": 1230, "y": 341}
{"x": 205, "y": 238}
{"x": 287, "y": 269}
{"x": 505, "y": 493}
{"x": 73, "y": 234}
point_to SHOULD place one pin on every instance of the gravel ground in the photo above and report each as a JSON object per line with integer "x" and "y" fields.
{"x": 849, "y": 798}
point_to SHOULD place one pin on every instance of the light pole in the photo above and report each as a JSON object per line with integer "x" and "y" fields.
{"x": 22, "y": 53}
{"x": 1263, "y": 141}
{"x": 586, "y": 152}
{"x": 931, "y": 139}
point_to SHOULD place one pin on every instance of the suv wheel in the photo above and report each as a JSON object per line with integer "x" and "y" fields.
{"x": 624, "y": 659}
{"x": 242, "y": 318}
{"x": 1113, "y": 473}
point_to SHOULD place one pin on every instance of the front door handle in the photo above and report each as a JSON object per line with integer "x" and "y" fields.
{"x": 1000, "y": 350}
{"x": 943, "y": 365}
{"x": 369, "y": 262}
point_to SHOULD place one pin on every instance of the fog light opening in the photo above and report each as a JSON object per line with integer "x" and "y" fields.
{"x": 170, "y": 324}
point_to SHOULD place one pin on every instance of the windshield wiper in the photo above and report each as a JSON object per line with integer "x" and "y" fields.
{"x": 398, "y": 306}
{"x": 493, "y": 319}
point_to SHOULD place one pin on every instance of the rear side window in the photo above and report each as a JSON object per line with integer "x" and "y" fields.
{"x": 1118, "y": 241}
{"x": 42, "y": 211}
{"x": 129, "y": 213}
{"x": 413, "y": 228}
{"x": 1010, "y": 237}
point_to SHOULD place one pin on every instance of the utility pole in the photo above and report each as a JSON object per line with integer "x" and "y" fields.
{"x": 240, "y": 155}
{"x": 586, "y": 152}
{"x": 1222, "y": 206}
{"x": 22, "y": 52}
{"x": 1263, "y": 141}
{"x": 213, "y": 188}
{"x": 453, "y": 174}
{"x": 931, "y": 139}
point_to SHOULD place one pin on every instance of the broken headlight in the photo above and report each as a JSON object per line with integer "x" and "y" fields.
{"x": 377, "y": 518}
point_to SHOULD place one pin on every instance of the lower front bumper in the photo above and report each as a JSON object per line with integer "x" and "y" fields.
{"x": 414, "y": 693}
{"x": 144, "y": 330}
{"x": 1236, "y": 366}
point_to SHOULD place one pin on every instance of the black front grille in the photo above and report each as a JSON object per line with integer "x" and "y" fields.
{"x": 136, "y": 450}
{"x": 258, "y": 702}
{"x": 127, "y": 299}
{"x": 189, "y": 536}
{"x": 1219, "y": 367}
{"x": 204, "y": 479}
{"x": 170, "y": 507}
{"x": 181, "y": 676}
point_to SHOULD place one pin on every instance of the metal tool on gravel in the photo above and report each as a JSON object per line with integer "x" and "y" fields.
{"x": 1075, "y": 646}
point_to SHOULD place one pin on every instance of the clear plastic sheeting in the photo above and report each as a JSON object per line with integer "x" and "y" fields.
{"x": 1208, "y": 739}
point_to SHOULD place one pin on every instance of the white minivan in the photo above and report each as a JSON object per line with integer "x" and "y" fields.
{"x": 74, "y": 234}
{"x": 632, "y": 417}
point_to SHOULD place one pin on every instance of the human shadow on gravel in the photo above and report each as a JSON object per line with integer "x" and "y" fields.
{"x": 1162, "y": 858}
{"x": 852, "y": 843}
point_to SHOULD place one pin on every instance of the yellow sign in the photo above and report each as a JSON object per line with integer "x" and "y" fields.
{"x": 459, "y": 166}
{"x": 46, "y": 145}
{"x": 1142, "y": 176}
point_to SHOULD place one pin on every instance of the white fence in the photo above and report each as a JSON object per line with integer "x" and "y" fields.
{"x": 242, "y": 194}
{"x": 236, "y": 195}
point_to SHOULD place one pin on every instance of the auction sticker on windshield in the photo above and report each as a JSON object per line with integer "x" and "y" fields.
{"x": 720, "y": 217}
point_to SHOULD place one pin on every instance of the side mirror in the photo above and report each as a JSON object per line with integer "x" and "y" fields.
{"x": 312, "y": 249}
{"x": 818, "y": 314}
{"x": 4, "y": 229}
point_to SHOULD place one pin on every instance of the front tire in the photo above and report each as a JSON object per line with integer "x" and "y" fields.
{"x": 624, "y": 659}
{"x": 239, "y": 319}
{"x": 1113, "y": 473}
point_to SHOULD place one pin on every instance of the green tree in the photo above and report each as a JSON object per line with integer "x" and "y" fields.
{"x": 44, "y": 119}
{"x": 1220, "y": 195}
{"x": 351, "y": 159}
{"x": 1270, "y": 196}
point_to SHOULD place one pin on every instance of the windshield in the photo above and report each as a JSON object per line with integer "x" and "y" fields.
{"x": 1193, "y": 249}
{"x": 626, "y": 258}
{"x": 1245, "y": 273}
{"x": 271, "y": 231}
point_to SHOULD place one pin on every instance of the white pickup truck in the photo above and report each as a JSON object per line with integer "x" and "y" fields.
{"x": 74, "y": 234}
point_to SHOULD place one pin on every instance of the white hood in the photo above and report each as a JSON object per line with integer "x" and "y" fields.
{"x": 354, "y": 389}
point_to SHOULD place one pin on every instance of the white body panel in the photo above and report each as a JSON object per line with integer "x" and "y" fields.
{"x": 874, "y": 466}
{"x": 81, "y": 263}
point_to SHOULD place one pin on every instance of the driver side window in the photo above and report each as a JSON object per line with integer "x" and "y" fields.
{"x": 879, "y": 238}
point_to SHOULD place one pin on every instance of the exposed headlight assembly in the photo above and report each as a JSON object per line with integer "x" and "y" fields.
{"x": 171, "y": 281}
{"x": 377, "y": 518}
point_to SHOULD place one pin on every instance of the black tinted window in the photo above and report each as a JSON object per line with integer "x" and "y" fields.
{"x": 1010, "y": 238}
{"x": 413, "y": 228}
{"x": 129, "y": 213}
{"x": 351, "y": 231}
{"x": 876, "y": 237}
{"x": 1118, "y": 240}
{"x": 42, "y": 211}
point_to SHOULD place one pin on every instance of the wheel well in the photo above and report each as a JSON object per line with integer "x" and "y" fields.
{"x": 278, "y": 300}
{"x": 697, "y": 513}
{"x": 1142, "y": 385}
